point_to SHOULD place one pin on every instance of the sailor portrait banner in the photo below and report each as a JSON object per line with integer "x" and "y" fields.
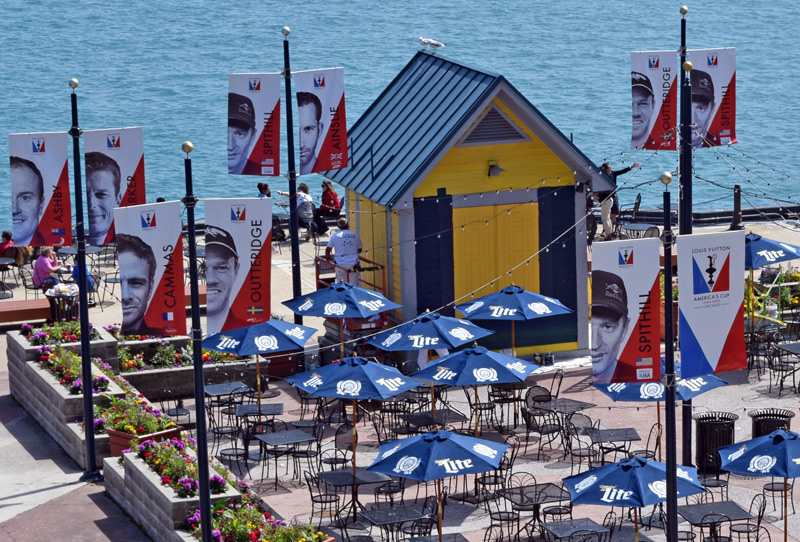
{"x": 321, "y": 114}
{"x": 626, "y": 321}
{"x": 150, "y": 255}
{"x": 654, "y": 93}
{"x": 238, "y": 260}
{"x": 254, "y": 123}
{"x": 41, "y": 213}
{"x": 713, "y": 78}
{"x": 711, "y": 302}
{"x": 114, "y": 162}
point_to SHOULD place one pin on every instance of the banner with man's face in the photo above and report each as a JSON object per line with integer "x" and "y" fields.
{"x": 711, "y": 302}
{"x": 713, "y": 78}
{"x": 114, "y": 163}
{"x": 654, "y": 92}
{"x": 626, "y": 321}
{"x": 321, "y": 116}
{"x": 150, "y": 255}
{"x": 41, "y": 212}
{"x": 238, "y": 262}
{"x": 254, "y": 123}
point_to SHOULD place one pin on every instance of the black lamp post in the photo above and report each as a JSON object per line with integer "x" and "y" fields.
{"x": 190, "y": 201}
{"x": 669, "y": 371}
{"x": 295, "y": 242}
{"x": 90, "y": 473}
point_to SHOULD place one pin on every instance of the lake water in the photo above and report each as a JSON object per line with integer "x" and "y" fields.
{"x": 164, "y": 66}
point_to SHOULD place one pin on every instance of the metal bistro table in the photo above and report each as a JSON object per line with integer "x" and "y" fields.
{"x": 694, "y": 513}
{"x": 637, "y": 229}
{"x": 565, "y": 529}
{"x": 283, "y": 438}
{"x": 564, "y": 407}
{"x": 344, "y": 477}
{"x": 611, "y": 438}
{"x": 535, "y": 495}
{"x": 425, "y": 418}
{"x": 251, "y": 409}
{"x": 449, "y": 537}
{"x": 5, "y": 291}
{"x": 226, "y": 388}
{"x": 389, "y": 519}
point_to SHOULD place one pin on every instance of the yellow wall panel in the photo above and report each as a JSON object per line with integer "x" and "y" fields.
{"x": 517, "y": 239}
{"x": 472, "y": 248}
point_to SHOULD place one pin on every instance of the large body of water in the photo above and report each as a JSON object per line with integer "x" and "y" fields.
{"x": 165, "y": 66}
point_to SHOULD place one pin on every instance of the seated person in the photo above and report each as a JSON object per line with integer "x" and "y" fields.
{"x": 45, "y": 265}
{"x": 7, "y": 249}
{"x": 331, "y": 207}
{"x": 89, "y": 283}
{"x": 306, "y": 217}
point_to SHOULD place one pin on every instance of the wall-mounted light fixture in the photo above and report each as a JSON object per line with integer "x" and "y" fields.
{"x": 494, "y": 169}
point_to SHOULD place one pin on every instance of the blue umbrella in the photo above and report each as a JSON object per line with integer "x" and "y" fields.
{"x": 341, "y": 300}
{"x": 634, "y": 482}
{"x": 760, "y": 251}
{"x": 268, "y": 337}
{"x": 353, "y": 378}
{"x": 513, "y": 303}
{"x": 436, "y": 455}
{"x": 775, "y": 454}
{"x": 429, "y": 330}
{"x": 685, "y": 389}
{"x": 477, "y": 365}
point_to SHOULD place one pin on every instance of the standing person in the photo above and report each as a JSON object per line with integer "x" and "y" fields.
{"x": 306, "y": 217}
{"x": 103, "y": 192}
{"x": 347, "y": 245}
{"x": 137, "y": 266}
{"x": 642, "y": 106}
{"x": 46, "y": 264}
{"x": 330, "y": 200}
{"x": 27, "y": 201}
{"x": 241, "y": 132}
{"x": 263, "y": 190}
{"x": 609, "y": 202}
{"x": 609, "y": 323}
{"x": 702, "y": 108}
{"x": 309, "y": 113}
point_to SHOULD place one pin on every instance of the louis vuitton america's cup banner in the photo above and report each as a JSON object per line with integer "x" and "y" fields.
{"x": 626, "y": 322}
{"x": 254, "y": 123}
{"x": 713, "y": 78}
{"x": 654, "y": 93}
{"x": 321, "y": 114}
{"x": 41, "y": 213}
{"x": 238, "y": 259}
{"x": 150, "y": 254}
{"x": 114, "y": 161}
{"x": 711, "y": 303}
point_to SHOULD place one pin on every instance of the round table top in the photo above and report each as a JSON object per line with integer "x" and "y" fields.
{"x": 638, "y": 226}
{"x": 7, "y": 261}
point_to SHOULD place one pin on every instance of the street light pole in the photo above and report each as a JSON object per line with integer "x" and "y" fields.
{"x": 90, "y": 473}
{"x": 293, "y": 229}
{"x": 190, "y": 201}
{"x": 685, "y": 226}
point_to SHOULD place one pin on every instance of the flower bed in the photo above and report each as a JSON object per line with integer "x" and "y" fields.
{"x": 57, "y": 333}
{"x": 66, "y": 366}
{"x": 20, "y": 348}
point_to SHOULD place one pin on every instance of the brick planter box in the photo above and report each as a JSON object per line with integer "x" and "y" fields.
{"x": 105, "y": 348}
{"x": 155, "y": 507}
{"x": 148, "y": 347}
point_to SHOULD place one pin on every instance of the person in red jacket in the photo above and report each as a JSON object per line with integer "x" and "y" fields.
{"x": 331, "y": 207}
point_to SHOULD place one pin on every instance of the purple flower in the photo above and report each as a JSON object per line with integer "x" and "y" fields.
{"x": 216, "y": 534}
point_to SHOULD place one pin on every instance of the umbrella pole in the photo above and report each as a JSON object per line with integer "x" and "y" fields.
{"x": 513, "y": 341}
{"x": 636, "y": 524}
{"x": 439, "y": 499}
{"x": 341, "y": 336}
{"x": 477, "y": 421}
{"x": 354, "y": 437}
{"x": 658, "y": 419}
{"x": 785, "y": 510}
{"x": 433, "y": 404}
{"x": 258, "y": 388}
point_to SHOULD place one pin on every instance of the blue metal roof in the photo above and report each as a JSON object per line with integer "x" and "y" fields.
{"x": 407, "y": 125}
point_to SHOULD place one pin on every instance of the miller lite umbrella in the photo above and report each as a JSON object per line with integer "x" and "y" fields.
{"x": 634, "y": 482}
{"x": 341, "y": 300}
{"x": 426, "y": 331}
{"x": 474, "y": 366}
{"x": 436, "y": 455}
{"x": 512, "y": 303}
{"x": 265, "y": 338}
{"x": 775, "y": 454}
{"x": 353, "y": 378}
{"x": 760, "y": 251}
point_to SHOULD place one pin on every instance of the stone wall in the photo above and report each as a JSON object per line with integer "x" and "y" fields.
{"x": 104, "y": 348}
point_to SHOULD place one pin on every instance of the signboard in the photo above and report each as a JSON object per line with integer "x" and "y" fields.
{"x": 654, "y": 100}
{"x": 254, "y": 123}
{"x": 626, "y": 321}
{"x": 114, "y": 162}
{"x": 711, "y": 302}
{"x": 41, "y": 212}
{"x": 321, "y": 116}
{"x": 150, "y": 254}
{"x": 238, "y": 260}
{"x": 713, "y": 79}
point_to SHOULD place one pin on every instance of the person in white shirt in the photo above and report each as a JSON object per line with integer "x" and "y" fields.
{"x": 347, "y": 246}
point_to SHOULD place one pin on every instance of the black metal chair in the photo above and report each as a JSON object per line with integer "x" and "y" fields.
{"x": 173, "y": 406}
{"x": 558, "y": 512}
{"x": 321, "y": 499}
{"x": 579, "y": 448}
{"x": 752, "y": 525}
{"x": 555, "y": 383}
{"x": 610, "y": 523}
{"x": 775, "y": 488}
{"x": 653, "y": 444}
{"x": 502, "y": 515}
{"x": 584, "y": 535}
{"x": 712, "y": 528}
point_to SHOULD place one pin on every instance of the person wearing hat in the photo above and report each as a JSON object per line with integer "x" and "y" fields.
{"x": 241, "y": 133}
{"x": 702, "y": 108}
{"x": 642, "y": 106}
{"x": 609, "y": 323}
{"x": 609, "y": 202}
{"x": 222, "y": 265}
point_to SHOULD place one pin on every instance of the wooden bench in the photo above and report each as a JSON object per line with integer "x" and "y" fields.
{"x": 29, "y": 310}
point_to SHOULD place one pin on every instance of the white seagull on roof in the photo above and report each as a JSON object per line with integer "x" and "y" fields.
{"x": 427, "y": 42}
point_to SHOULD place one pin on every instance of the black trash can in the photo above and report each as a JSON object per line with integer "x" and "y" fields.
{"x": 63, "y": 307}
{"x": 767, "y": 420}
{"x": 712, "y": 431}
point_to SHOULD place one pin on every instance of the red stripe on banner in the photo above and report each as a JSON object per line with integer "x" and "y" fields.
{"x": 134, "y": 195}
{"x": 640, "y": 359}
{"x": 734, "y": 356}
{"x": 333, "y": 154}
{"x": 663, "y": 135}
{"x": 265, "y": 156}
{"x": 55, "y": 227}
{"x": 166, "y": 312}
{"x": 252, "y": 302}
{"x": 724, "y": 124}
